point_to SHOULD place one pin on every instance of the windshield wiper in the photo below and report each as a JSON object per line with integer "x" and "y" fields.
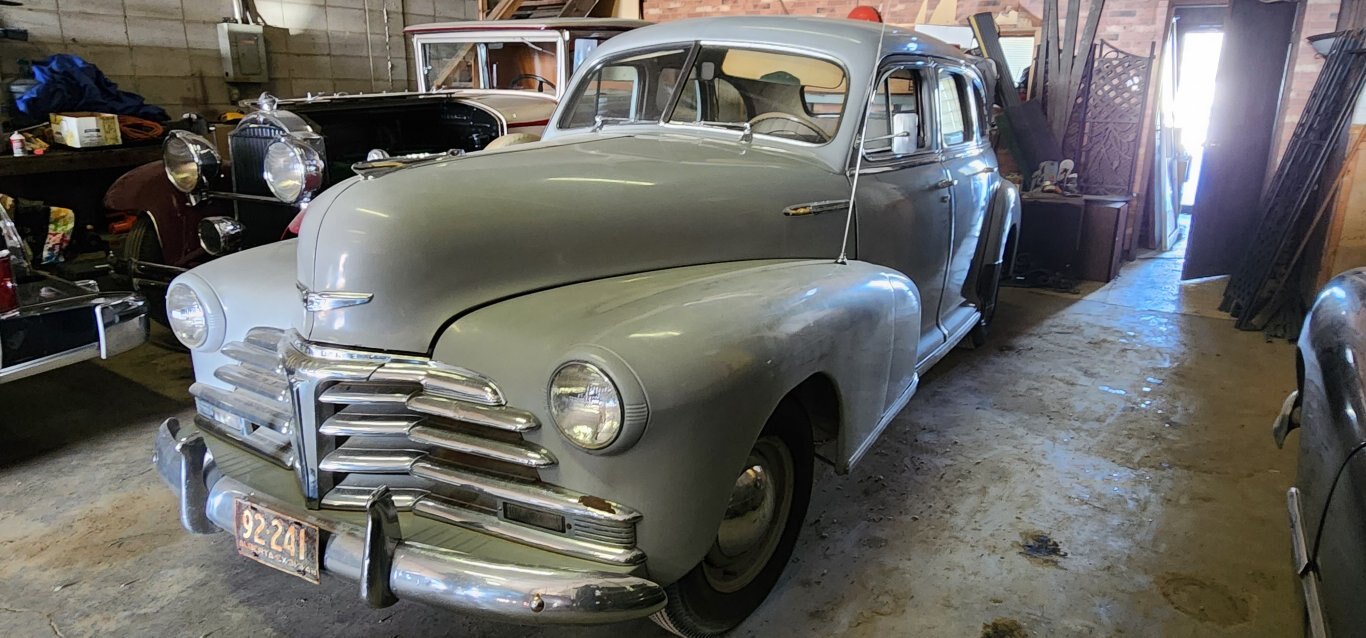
{"x": 746, "y": 131}
{"x": 532, "y": 45}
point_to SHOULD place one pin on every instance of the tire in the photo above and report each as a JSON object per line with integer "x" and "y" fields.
{"x": 142, "y": 244}
{"x": 726, "y": 587}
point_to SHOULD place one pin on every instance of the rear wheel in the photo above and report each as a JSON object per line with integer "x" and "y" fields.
{"x": 767, "y": 506}
{"x": 142, "y": 244}
{"x": 989, "y": 289}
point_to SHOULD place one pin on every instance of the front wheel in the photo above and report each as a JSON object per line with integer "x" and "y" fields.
{"x": 142, "y": 244}
{"x": 757, "y": 534}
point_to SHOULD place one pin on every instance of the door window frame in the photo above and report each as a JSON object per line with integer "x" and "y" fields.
{"x": 975, "y": 121}
{"x": 928, "y": 125}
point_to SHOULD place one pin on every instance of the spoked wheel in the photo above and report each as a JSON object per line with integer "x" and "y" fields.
{"x": 756, "y": 536}
{"x": 143, "y": 245}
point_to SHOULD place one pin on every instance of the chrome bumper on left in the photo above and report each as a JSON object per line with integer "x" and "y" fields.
{"x": 389, "y": 568}
{"x": 120, "y": 326}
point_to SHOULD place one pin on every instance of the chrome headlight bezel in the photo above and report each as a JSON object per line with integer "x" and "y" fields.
{"x": 631, "y": 401}
{"x": 293, "y": 169}
{"x": 190, "y": 160}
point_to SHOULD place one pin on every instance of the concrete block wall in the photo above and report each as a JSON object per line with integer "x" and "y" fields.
{"x": 167, "y": 50}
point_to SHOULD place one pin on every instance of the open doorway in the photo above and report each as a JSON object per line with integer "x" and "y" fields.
{"x": 1199, "y": 60}
{"x": 1190, "y": 61}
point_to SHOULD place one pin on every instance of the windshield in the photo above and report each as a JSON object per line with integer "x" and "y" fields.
{"x": 519, "y": 64}
{"x": 783, "y": 95}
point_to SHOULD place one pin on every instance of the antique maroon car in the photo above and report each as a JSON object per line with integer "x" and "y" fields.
{"x": 477, "y": 82}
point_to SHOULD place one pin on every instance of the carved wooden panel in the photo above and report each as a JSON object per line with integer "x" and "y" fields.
{"x": 1113, "y": 121}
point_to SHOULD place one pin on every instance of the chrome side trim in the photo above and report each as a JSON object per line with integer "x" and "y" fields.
{"x": 369, "y": 461}
{"x": 456, "y": 383}
{"x": 509, "y": 419}
{"x": 817, "y": 208}
{"x": 349, "y": 423}
{"x": 895, "y": 409}
{"x": 524, "y": 455}
{"x": 549, "y": 497}
{"x": 1307, "y": 573}
{"x": 439, "y": 509}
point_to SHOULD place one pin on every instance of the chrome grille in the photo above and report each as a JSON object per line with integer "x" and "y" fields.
{"x": 247, "y": 146}
{"x": 256, "y": 414}
{"x": 441, "y": 438}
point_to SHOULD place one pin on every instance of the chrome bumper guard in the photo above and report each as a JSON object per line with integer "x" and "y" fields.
{"x": 389, "y": 569}
{"x": 1306, "y": 571}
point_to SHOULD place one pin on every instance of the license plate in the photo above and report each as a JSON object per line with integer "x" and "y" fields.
{"x": 273, "y": 539}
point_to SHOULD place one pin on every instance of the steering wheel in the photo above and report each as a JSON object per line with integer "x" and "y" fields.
{"x": 540, "y": 82}
{"x": 776, "y": 116}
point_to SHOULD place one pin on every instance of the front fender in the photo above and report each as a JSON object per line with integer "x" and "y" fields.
{"x": 715, "y": 348}
{"x": 146, "y": 189}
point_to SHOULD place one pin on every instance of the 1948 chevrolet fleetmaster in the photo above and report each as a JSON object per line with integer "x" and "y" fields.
{"x": 583, "y": 379}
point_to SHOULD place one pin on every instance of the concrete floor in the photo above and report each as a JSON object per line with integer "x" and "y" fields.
{"x": 1128, "y": 424}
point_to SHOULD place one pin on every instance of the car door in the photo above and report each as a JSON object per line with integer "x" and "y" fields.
{"x": 967, "y": 159}
{"x": 903, "y": 206}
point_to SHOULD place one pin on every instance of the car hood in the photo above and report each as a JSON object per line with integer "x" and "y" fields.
{"x": 430, "y": 242}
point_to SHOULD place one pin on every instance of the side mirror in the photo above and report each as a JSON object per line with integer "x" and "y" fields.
{"x": 905, "y": 133}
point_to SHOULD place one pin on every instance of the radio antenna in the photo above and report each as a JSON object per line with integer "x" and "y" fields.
{"x": 863, "y": 136}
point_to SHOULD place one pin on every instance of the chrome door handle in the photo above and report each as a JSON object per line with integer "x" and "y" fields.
{"x": 946, "y": 183}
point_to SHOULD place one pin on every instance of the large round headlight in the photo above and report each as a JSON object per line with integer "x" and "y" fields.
{"x": 190, "y": 160}
{"x": 585, "y": 405}
{"x": 186, "y": 314}
{"x": 293, "y": 170}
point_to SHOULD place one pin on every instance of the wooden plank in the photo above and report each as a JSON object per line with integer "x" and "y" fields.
{"x": 989, "y": 38}
{"x": 1088, "y": 38}
{"x": 1067, "y": 56}
{"x": 1052, "y": 68}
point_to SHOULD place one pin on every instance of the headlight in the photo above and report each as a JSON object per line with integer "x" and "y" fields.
{"x": 190, "y": 160}
{"x": 220, "y": 235}
{"x": 186, "y": 314}
{"x": 585, "y": 405}
{"x": 293, "y": 170}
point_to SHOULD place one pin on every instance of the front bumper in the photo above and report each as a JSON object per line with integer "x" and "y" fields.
{"x": 119, "y": 325}
{"x": 388, "y": 568}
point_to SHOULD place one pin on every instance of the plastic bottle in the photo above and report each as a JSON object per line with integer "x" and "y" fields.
{"x": 16, "y": 144}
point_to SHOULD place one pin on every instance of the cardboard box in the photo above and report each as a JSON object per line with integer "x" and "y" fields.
{"x": 85, "y": 130}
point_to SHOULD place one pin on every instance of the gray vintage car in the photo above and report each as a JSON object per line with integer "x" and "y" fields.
{"x": 1327, "y": 505}
{"x": 585, "y": 379}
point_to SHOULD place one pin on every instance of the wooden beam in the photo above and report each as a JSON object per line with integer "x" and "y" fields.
{"x": 1067, "y": 55}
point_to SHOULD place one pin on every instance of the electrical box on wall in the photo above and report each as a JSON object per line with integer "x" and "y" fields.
{"x": 243, "y": 47}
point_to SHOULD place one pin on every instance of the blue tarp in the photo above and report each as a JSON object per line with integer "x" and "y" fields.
{"x": 68, "y": 83}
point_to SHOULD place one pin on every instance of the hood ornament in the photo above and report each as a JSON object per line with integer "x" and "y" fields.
{"x": 267, "y": 102}
{"x": 322, "y": 301}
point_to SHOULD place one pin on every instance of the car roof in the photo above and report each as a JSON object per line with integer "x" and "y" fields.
{"x": 850, "y": 40}
{"x": 548, "y": 24}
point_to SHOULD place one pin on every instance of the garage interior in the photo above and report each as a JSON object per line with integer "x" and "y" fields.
{"x": 1102, "y": 466}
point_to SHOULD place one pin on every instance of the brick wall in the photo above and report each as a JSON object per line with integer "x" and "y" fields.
{"x": 1131, "y": 25}
{"x": 167, "y": 50}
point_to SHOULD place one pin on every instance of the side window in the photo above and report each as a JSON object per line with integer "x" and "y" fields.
{"x": 895, "y": 109}
{"x": 954, "y": 116}
{"x": 979, "y": 106}
{"x": 622, "y": 89}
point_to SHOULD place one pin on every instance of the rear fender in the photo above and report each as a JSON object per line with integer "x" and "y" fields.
{"x": 708, "y": 352}
{"x": 147, "y": 190}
